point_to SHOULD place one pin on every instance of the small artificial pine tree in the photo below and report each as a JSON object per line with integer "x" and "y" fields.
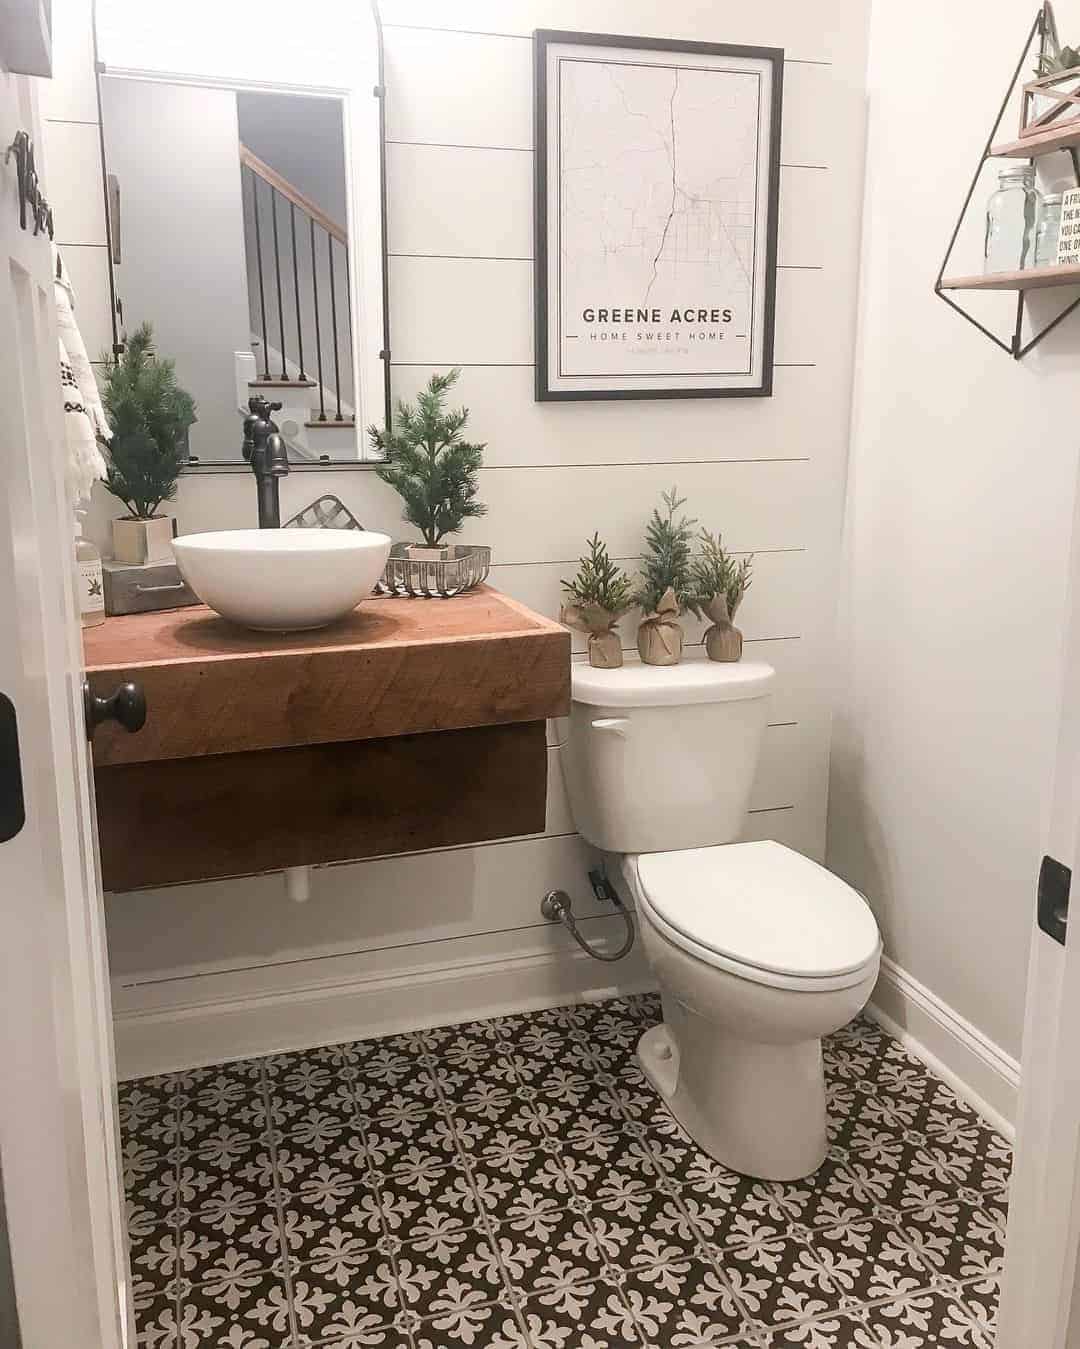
{"x": 150, "y": 415}
{"x": 596, "y": 598}
{"x": 666, "y": 563}
{"x": 719, "y": 584}
{"x": 600, "y": 582}
{"x": 715, "y": 572}
{"x": 427, "y": 463}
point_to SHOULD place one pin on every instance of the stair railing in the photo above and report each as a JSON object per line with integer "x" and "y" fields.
{"x": 262, "y": 189}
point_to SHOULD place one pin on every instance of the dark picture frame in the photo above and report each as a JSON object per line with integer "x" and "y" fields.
{"x": 550, "y": 383}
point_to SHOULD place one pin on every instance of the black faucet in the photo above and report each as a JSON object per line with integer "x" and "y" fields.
{"x": 266, "y": 452}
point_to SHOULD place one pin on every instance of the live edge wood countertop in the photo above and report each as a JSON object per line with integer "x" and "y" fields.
{"x": 393, "y": 667}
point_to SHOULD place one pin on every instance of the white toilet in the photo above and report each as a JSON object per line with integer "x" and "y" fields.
{"x": 758, "y": 951}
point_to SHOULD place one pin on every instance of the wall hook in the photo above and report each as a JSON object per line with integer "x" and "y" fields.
{"x": 30, "y": 194}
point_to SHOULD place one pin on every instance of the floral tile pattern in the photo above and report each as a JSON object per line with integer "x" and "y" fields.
{"x": 517, "y": 1184}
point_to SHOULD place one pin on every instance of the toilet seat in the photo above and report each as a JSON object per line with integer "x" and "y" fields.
{"x": 760, "y": 911}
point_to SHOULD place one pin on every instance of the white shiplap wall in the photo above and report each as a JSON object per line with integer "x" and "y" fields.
{"x": 769, "y": 473}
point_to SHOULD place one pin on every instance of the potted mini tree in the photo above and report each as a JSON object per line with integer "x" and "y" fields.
{"x": 665, "y": 588}
{"x": 150, "y": 416}
{"x": 430, "y": 466}
{"x": 598, "y": 597}
{"x": 719, "y": 584}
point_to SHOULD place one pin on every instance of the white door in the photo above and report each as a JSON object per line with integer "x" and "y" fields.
{"x": 1041, "y": 1293}
{"x": 58, "y": 1132}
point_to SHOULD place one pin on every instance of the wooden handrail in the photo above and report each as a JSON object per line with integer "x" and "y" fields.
{"x": 290, "y": 193}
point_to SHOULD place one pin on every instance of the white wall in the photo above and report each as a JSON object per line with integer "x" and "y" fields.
{"x": 173, "y": 148}
{"x": 71, "y": 132}
{"x": 769, "y": 473}
{"x": 960, "y": 503}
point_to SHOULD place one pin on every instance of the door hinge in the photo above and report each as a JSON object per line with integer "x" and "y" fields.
{"x": 12, "y": 803}
{"x": 1053, "y": 907}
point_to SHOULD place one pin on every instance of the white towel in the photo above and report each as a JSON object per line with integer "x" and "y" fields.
{"x": 84, "y": 417}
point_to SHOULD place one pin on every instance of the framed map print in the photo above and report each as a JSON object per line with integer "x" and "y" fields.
{"x": 657, "y": 167}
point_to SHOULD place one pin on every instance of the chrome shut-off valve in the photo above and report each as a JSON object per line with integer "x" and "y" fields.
{"x": 557, "y": 907}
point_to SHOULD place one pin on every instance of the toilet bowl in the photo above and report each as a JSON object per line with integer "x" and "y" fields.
{"x": 758, "y": 951}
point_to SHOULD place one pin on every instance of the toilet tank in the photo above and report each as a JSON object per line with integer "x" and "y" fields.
{"x": 663, "y": 757}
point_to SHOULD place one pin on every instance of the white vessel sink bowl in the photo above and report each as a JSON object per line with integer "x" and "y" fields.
{"x": 282, "y": 580}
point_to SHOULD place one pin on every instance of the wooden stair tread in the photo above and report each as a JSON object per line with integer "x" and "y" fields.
{"x": 331, "y": 421}
{"x": 281, "y": 384}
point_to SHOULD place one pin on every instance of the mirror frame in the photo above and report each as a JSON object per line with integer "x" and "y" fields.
{"x": 363, "y": 107}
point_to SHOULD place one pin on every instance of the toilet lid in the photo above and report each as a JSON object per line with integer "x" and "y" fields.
{"x": 763, "y": 906}
{"x": 635, "y": 684}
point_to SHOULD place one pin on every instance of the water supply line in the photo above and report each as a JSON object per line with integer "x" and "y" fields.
{"x": 557, "y": 907}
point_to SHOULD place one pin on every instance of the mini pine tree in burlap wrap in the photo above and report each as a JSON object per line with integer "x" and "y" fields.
{"x": 597, "y": 597}
{"x": 719, "y": 584}
{"x": 665, "y": 588}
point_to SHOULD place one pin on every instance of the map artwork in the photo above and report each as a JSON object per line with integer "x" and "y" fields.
{"x": 657, "y": 210}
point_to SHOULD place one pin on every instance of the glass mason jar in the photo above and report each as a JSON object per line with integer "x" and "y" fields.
{"x": 1049, "y": 227}
{"x": 1012, "y": 219}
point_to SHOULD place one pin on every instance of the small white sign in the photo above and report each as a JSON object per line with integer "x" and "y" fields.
{"x": 1068, "y": 251}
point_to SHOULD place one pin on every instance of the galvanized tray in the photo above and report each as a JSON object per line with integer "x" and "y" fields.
{"x": 464, "y": 568}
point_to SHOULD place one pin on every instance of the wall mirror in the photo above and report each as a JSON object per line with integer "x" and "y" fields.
{"x": 245, "y": 211}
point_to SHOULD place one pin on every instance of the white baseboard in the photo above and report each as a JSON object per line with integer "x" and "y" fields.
{"x": 227, "y": 1018}
{"x": 977, "y": 1069}
{"x": 238, "y": 1024}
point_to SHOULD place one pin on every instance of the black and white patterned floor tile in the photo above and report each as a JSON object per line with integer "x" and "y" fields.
{"x": 516, "y": 1184}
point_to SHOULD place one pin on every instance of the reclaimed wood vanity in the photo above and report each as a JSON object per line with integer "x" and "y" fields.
{"x": 409, "y": 724}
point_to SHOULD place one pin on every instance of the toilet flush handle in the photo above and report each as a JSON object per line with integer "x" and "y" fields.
{"x": 613, "y": 725}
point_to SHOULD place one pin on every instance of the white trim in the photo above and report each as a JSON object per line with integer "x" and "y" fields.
{"x": 289, "y": 1017}
{"x": 977, "y": 1069}
{"x": 149, "y": 76}
{"x": 235, "y": 1021}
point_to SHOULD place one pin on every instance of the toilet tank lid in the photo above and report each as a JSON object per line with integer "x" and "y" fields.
{"x": 692, "y": 681}
{"x": 762, "y": 905}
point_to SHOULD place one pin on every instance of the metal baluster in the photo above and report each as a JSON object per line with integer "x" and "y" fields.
{"x": 318, "y": 337}
{"x": 348, "y": 308}
{"x": 277, "y": 275}
{"x": 258, "y": 266}
{"x": 296, "y": 290}
{"x": 333, "y": 320}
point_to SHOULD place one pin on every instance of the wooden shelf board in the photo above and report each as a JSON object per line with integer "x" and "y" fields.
{"x": 391, "y": 667}
{"x": 1031, "y": 278}
{"x": 1041, "y": 143}
{"x": 176, "y": 820}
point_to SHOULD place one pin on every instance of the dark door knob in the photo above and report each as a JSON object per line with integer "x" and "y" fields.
{"x": 126, "y": 704}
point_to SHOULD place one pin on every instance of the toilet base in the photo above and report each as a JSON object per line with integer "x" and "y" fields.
{"x": 756, "y": 1108}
